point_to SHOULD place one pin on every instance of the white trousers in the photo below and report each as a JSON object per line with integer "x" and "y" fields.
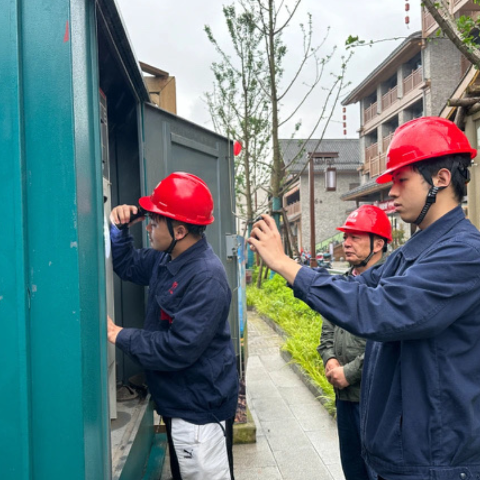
{"x": 201, "y": 450}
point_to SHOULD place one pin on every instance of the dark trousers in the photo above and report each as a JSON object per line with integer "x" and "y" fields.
{"x": 348, "y": 421}
{"x": 174, "y": 467}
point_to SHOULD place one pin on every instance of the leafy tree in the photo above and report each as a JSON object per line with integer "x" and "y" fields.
{"x": 254, "y": 80}
{"x": 239, "y": 106}
{"x": 273, "y": 20}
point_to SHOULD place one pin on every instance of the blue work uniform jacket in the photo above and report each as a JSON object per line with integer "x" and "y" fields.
{"x": 420, "y": 399}
{"x": 185, "y": 346}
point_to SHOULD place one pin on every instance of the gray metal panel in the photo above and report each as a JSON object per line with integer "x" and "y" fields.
{"x": 173, "y": 144}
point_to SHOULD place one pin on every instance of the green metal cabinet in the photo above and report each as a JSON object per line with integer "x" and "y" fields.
{"x": 55, "y": 56}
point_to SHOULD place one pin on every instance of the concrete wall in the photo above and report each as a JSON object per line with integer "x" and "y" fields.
{"x": 330, "y": 210}
{"x": 441, "y": 63}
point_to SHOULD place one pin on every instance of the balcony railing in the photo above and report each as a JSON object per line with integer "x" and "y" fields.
{"x": 377, "y": 165}
{"x": 413, "y": 80}
{"x": 366, "y": 167}
{"x": 389, "y": 98}
{"x": 370, "y": 112}
{"x": 293, "y": 208}
{"x": 386, "y": 142}
{"x": 427, "y": 20}
{"x": 371, "y": 152}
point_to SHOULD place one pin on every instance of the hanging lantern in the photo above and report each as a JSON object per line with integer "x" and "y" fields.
{"x": 407, "y": 20}
{"x": 330, "y": 178}
{"x": 237, "y": 147}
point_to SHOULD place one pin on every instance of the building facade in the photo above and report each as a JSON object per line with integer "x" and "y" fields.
{"x": 335, "y": 164}
{"x": 415, "y": 80}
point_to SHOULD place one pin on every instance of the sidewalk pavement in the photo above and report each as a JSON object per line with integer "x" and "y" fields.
{"x": 296, "y": 438}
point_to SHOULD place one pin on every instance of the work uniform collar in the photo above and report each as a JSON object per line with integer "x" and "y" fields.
{"x": 434, "y": 233}
{"x": 187, "y": 256}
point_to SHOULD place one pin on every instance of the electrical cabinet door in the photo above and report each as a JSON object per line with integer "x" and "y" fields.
{"x": 173, "y": 144}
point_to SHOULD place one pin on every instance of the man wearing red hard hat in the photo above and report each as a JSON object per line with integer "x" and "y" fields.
{"x": 185, "y": 346}
{"x": 366, "y": 233}
{"x": 420, "y": 398}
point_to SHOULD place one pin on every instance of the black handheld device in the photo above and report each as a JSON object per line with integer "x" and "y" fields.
{"x": 140, "y": 213}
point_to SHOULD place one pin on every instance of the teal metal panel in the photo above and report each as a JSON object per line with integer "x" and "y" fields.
{"x": 147, "y": 452}
{"x": 52, "y": 269}
{"x": 156, "y": 459}
{"x": 15, "y": 445}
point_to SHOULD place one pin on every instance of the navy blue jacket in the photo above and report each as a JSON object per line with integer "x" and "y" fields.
{"x": 421, "y": 381}
{"x": 185, "y": 346}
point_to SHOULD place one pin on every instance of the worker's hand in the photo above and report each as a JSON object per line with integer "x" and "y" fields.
{"x": 331, "y": 364}
{"x": 336, "y": 377}
{"x": 112, "y": 330}
{"x": 265, "y": 239}
{"x": 121, "y": 215}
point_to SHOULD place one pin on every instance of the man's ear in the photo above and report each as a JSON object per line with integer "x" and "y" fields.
{"x": 378, "y": 244}
{"x": 180, "y": 232}
{"x": 442, "y": 178}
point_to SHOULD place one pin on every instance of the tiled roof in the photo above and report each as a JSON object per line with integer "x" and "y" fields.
{"x": 347, "y": 150}
{"x": 371, "y": 185}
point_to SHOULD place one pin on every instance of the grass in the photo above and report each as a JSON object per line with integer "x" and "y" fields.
{"x": 300, "y": 323}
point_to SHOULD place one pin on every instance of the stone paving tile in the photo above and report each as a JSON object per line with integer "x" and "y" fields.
{"x": 263, "y": 473}
{"x": 273, "y": 362}
{"x": 262, "y": 388}
{"x": 283, "y": 426}
{"x": 326, "y": 444}
{"x": 281, "y": 441}
{"x": 297, "y": 396}
{"x": 304, "y": 459}
{"x": 286, "y": 378}
{"x": 270, "y": 408}
{"x": 335, "y": 469}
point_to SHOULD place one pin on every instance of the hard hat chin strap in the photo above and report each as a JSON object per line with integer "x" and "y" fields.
{"x": 431, "y": 196}
{"x": 364, "y": 262}
{"x": 169, "y": 250}
{"x": 431, "y": 199}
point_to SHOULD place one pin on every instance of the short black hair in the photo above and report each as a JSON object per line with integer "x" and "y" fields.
{"x": 196, "y": 230}
{"x": 385, "y": 241}
{"x": 457, "y": 164}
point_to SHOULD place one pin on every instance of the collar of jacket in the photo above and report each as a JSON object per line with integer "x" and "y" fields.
{"x": 424, "y": 239}
{"x": 187, "y": 256}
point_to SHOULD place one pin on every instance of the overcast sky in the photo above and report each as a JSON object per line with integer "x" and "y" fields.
{"x": 170, "y": 35}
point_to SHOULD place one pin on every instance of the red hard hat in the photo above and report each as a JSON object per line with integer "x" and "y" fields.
{"x": 368, "y": 219}
{"x": 183, "y": 197}
{"x": 423, "y": 138}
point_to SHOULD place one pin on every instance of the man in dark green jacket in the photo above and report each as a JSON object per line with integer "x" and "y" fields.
{"x": 367, "y": 231}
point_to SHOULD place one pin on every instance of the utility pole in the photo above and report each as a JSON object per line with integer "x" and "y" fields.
{"x": 311, "y": 176}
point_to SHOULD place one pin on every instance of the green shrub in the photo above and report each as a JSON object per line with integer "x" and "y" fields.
{"x": 300, "y": 323}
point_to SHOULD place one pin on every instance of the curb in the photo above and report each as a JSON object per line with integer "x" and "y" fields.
{"x": 307, "y": 381}
{"x": 245, "y": 432}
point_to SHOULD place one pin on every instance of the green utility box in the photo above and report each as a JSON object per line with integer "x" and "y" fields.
{"x": 78, "y": 135}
